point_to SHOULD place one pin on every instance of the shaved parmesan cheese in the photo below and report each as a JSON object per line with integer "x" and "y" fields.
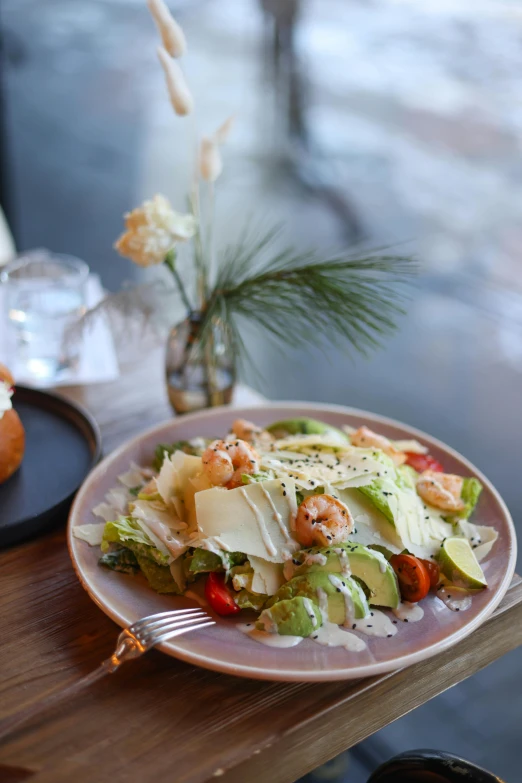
{"x": 481, "y": 537}
{"x": 268, "y": 577}
{"x": 297, "y": 442}
{"x": 106, "y": 512}
{"x": 351, "y": 467}
{"x": 412, "y": 446}
{"x": 93, "y": 534}
{"x": 163, "y": 528}
{"x": 245, "y": 521}
{"x": 370, "y": 525}
{"x": 134, "y": 477}
{"x": 175, "y": 472}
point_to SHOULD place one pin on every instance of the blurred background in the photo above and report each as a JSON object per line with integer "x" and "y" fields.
{"x": 372, "y": 122}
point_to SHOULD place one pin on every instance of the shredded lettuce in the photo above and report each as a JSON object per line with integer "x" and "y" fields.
{"x": 254, "y": 478}
{"x": 128, "y": 532}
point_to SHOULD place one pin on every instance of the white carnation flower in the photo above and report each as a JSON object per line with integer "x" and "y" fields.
{"x": 152, "y": 230}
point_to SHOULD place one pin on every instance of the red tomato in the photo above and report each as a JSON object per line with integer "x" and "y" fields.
{"x": 433, "y": 572}
{"x": 219, "y": 595}
{"x": 420, "y": 462}
{"x": 414, "y": 580}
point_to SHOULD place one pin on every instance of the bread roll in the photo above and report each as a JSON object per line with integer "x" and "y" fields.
{"x": 5, "y": 375}
{"x": 12, "y": 434}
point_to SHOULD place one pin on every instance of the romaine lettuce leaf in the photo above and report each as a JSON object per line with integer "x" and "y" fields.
{"x": 247, "y": 600}
{"x": 253, "y": 478}
{"x": 158, "y": 576}
{"x": 122, "y": 560}
{"x": 470, "y": 493}
{"x": 170, "y": 448}
{"x": 202, "y": 561}
{"x": 128, "y": 532}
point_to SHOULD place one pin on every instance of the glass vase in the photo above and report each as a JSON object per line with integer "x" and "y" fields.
{"x": 199, "y": 376}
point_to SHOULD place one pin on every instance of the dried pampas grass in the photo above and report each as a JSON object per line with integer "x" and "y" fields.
{"x": 179, "y": 93}
{"x": 171, "y": 33}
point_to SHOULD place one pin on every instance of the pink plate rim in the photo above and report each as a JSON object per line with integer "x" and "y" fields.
{"x": 214, "y": 662}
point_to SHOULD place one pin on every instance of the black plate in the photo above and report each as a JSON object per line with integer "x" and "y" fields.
{"x": 62, "y": 444}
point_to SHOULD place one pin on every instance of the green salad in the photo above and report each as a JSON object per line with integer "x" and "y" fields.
{"x": 299, "y": 530}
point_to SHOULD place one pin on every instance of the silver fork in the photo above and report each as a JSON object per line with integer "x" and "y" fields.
{"x": 132, "y": 642}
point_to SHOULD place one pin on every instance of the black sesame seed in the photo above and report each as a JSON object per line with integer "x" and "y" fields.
{"x": 394, "y": 622}
{"x": 371, "y": 614}
{"x": 389, "y": 635}
{"x": 457, "y": 609}
{"x": 369, "y": 626}
{"x": 406, "y": 620}
{"x": 248, "y": 625}
{"x": 354, "y": 626}
{"x": 284, "y": 493}
{"x": 338, "y": 589}
{"x": 315, "y": 636}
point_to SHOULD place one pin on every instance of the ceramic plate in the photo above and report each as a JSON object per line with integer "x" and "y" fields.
{"x": 222, "y": 647}
{"x": 62, "y": 444}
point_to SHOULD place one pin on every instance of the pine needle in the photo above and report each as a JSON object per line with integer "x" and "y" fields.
{"x": 299, "y": 299}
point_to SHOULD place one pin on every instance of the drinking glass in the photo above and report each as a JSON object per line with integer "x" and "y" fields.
{"x": 44, "y": 294}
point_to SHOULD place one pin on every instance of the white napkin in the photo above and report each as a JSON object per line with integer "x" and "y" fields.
{"x": 97, "y": 355}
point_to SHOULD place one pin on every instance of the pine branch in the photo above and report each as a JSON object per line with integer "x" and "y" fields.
{"x": 299, "y": 299}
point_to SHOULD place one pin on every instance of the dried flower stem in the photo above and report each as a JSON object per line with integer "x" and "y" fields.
{"x": 170, "y": 261}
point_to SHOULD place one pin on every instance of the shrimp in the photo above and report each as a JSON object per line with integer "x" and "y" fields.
{"x": 441, "y": 490}
{"x": 366, "y": 438}
{"x": 251, "y": 433}
{"x": 224, "y": 462}
{"x": 322, "y": 520}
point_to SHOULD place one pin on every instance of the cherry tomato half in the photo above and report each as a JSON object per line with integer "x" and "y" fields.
{"x": 413, "y": 576}
{"x": 433, "y": 570}
{"x": 220, "y": 596}
{"x": 420, "y": 462}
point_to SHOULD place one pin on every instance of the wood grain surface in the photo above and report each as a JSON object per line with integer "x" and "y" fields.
{"x": 158, "y": 719}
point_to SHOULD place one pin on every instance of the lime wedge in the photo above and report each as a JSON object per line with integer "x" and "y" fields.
{"x": 458, "y": 563}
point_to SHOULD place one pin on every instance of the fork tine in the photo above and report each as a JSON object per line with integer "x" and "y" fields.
{"x": 147, "y": 637}
{"x": 154, "y": 624}
{"x": 180, "y": 631}
{"x": 172, "y": 614}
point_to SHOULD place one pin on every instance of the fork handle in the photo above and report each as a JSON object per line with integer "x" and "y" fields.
{"x": 15, "y": 722}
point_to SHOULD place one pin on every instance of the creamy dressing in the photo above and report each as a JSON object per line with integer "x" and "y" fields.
{"x": 341, "y": 586}
{"x": 318, "y": 558}
{"x": 269, "y": 639}
{"x": 331, "y": 635}
{"x": 343, "y": 560}
{"x": 383, "y": 563}
{"x": 455, "y": 598}
{"x": 408, "y": 612}
{"x": 267, "y": 541}
{"x": 375, "y": 624}
{"x": 310, "y": 610}
{"x": 215, "y": 545}
{"x": 275, "y": 513}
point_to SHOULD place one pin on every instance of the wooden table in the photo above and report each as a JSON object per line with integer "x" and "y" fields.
{"x": 162, "y": 720}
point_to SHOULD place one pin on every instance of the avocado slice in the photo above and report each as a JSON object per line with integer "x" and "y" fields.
{"x": 297, "y": 616}
{"x": 333, "y": 585}
{"x": 305, "y": 426}
{"x": 368, "y": 565}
